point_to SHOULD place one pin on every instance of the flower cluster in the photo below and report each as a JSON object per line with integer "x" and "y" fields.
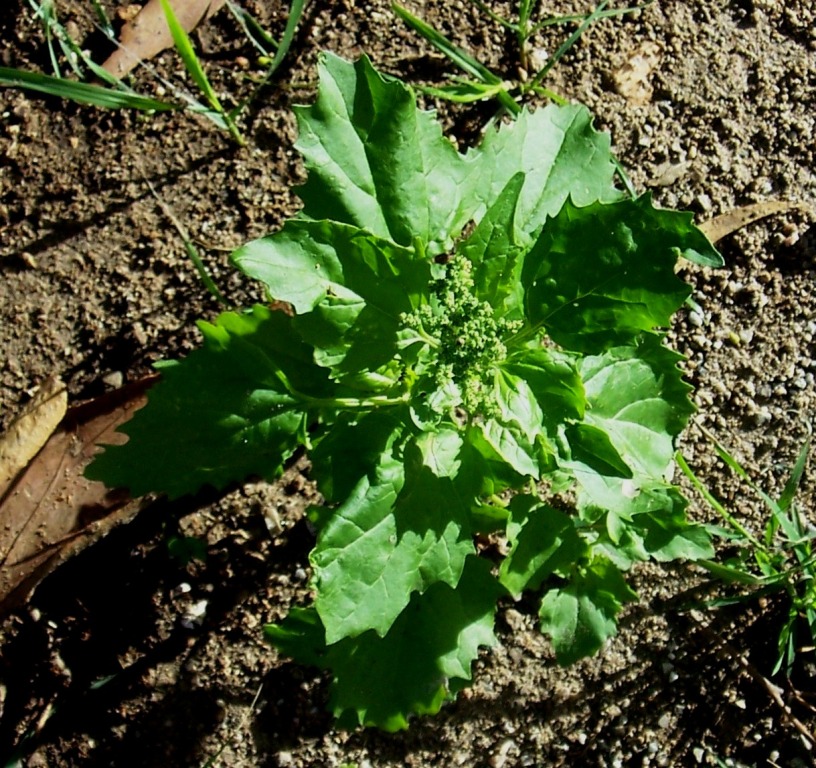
{"x": 466, "y": 334}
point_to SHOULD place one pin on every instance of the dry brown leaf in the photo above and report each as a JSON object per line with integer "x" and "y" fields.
{"x": 50, "y": 511}
{"x": 631, "y": 79}
{"x": 720, "y": 226}
{"x": 148, "y": 35}
{"x": 30, "y": 430}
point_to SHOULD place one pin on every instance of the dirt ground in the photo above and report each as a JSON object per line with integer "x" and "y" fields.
{"x": 130, "y": 656}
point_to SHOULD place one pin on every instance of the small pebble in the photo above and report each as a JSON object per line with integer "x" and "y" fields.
{"x": 114, "y": 379}
{"x": 746, "y": 335}
{"x": 181, "y": 589}
{"x": 194, "y": 615}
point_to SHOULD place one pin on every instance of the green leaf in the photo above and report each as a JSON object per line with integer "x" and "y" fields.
{"x": 356, "y": 286}
{"x": 600, "y": 275}
{"x": 554, "y": 381}
{"x": 399, "y": 532}
{"x": 581, "y": 616}
{"x": 381, "y": 681}
{"x": 225, "y": 412}
{"x": 591, "y": 446}
{"x": 353, "y": 448}
{"x": 379, "y": 163}
{"x": 668, "y": 537}
{"x": 514, "y": 434}
{"x": 464, "y": 91}
{"x": 643, "y": 522}
{"x": 636, "y": 395}
{"x": 463, "y": 59}
{"x": 184, "y": 46}
{"x": 494, "y": 251}
{"x": 308, "y": 261}
{"x": 440, "y": 451}
{"x": 542, "y": 540}
{"x": 561, "y": 155}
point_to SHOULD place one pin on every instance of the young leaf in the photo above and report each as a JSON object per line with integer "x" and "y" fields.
{"x": 581, "y": 616}
{"x": 542, "y": 539}
{"x": 513, "y": 434}
{"x": 554, "y": 380}
{"x": 637, "y": 397}
{"x": 493, "y": 250}
{"x": 309, "y": 260}
{"x": 381, "y": 681}
{"x": 349, "y": 287}
{"x": 592, "y": 447}
{"x": 247, "y": 419}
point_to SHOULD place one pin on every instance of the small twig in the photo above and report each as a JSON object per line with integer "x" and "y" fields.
{"x": 724, "y": 648}
{"x": 801, "y": 697}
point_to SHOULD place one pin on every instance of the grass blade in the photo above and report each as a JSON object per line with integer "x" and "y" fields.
{"x": 295, "y": 13}
{"x": 731, "y": 575}
{"x": 185, "y": 49}
{"x": 495, "y": 16}
{"x": 104, "y": 21}
{"x": 463, "y": 91}
{"x": 792, "y": 486}
{"x": 570, "y": 41}
{"x": 779, "y": 510}
{"x": 82, "y": 93}
{"x": 459, "y": 57}
{"x": 189, "y": 248}
{"x": 45, "y": 13}
{"x": 715, "y": 505}
{"x": 553, "y": 20}
{"x": 253, "y": 31}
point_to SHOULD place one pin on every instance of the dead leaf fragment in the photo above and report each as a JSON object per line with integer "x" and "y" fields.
{"x": 148, "y": 35}
{"x": 720, "y": 226}
{"x": 50, "y": 511}
{"x": 631, "y": 79}
{"x": 31, "y": 429}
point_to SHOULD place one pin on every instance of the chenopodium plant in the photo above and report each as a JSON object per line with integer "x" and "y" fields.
{"x": 474, "y": 355}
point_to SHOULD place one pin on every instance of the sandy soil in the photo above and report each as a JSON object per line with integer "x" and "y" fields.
{"x": 111, "y": 663}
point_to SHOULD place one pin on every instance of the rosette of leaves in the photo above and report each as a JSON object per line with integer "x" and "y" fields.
{"x": 466, "y": 330}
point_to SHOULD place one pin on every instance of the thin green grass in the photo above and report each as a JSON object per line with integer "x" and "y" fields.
{"x": 117, "y": 94}
{"x": 189, "y": 247}
{"x": 191, "y": 62}
{"x": 82, "y": 93}
{"x": 780, "y": 559}
{"x": 485, "y": 84}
